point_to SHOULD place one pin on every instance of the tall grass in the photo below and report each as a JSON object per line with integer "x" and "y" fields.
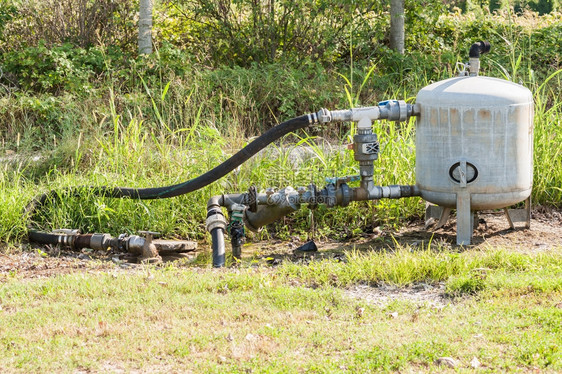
{"x": 15, "y": 191}
{"x": 548, "y": 134}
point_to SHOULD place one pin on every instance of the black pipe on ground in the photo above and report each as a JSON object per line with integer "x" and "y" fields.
{"x": 43, "y": 237}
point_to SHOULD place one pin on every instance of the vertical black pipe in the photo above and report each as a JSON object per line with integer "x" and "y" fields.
{"x": 217, "y": 236}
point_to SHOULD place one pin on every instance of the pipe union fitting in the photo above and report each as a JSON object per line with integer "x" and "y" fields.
{"x": 99, "y": 241}
{"x": 216, "y": 221}
{"x": 324, "y": 116}
{"x": 345, "y": 195}
{"x": 394, "y": 110}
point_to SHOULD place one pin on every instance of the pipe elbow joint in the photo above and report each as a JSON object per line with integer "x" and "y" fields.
{"x": 215, "y": 202}
{"x": 474, "y": 56}
{"x": 479, "y": 48}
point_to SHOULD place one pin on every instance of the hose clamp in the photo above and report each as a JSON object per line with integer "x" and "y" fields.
{"x": 66, "y": 241}
{"x": 324, "y": 116}
{"x": 312, "y": 119}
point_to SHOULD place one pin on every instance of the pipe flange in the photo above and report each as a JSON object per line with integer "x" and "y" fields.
{"x": 252, "y": 197}
{"x": 403, "y": 110}
{"x": 345, "y": 194}
{"x": 313, "y": 204}
{"x": 328, "y": 196}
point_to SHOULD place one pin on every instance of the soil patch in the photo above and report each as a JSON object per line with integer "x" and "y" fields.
{"x": 421, "y": 294}
{"x": 492, "y": 231}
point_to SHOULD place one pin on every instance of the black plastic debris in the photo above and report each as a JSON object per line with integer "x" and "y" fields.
{"x": 309, "y": 246}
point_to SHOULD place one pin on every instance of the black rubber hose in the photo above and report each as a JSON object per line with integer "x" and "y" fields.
{"x": 43, "y": 237}
{"x": 191, "y": 185}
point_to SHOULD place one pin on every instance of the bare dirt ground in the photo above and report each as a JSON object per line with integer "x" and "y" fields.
{"x": 493, "y": 231}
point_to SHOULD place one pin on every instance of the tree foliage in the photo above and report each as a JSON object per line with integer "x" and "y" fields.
{"x": 246, "y": 31}
{"x": 70, "y": 45}
{"x": 83, "y": 23}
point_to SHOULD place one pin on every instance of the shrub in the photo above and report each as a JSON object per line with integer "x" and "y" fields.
{"x": 44, "y": 69}
{"x": 84, "y": 23}
{"x": 243, "y": 32}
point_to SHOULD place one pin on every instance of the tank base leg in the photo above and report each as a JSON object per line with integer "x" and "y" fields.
{"x": 465, "y": 218}
{"x": 443, "y": 218}
{"x": 435, "y": 213}
{"x": 519, "y": 215}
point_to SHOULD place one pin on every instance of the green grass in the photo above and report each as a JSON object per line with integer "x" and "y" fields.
{"x": 288, "y": 319}
{"x": 406, "y": 266}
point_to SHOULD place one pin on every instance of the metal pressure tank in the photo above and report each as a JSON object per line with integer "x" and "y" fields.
{"x": 474, "y": 146}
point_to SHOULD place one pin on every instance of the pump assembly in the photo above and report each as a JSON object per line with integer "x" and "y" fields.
{"x": 474, "y": 151}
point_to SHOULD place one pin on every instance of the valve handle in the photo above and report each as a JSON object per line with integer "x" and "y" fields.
{"x": 149, "y": 235}
{"x": 346, "y": 179}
